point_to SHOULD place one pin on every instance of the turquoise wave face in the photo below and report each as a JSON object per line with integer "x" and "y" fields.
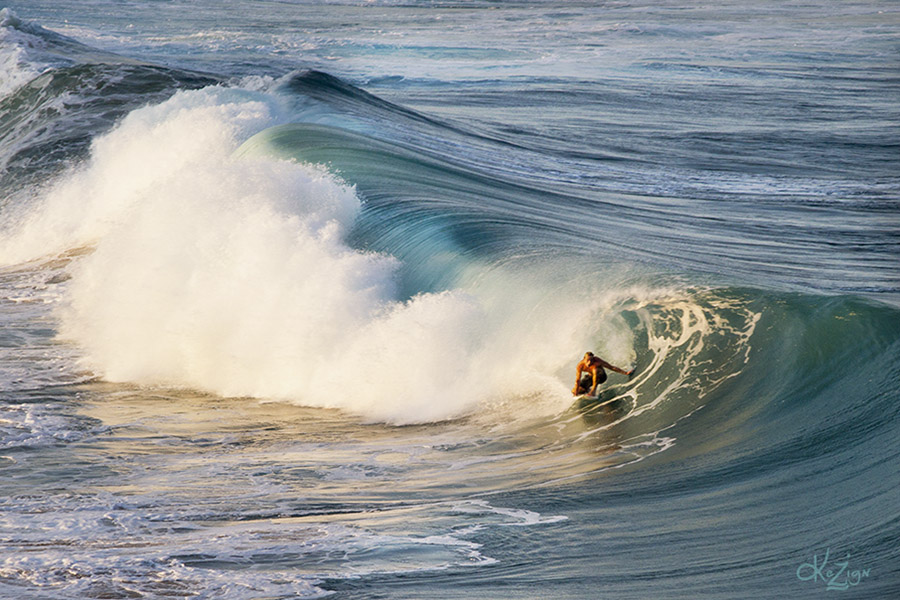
{"x": 498, "y": 194}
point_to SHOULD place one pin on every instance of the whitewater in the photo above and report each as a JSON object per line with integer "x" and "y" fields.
{"x": 292, "y": 296}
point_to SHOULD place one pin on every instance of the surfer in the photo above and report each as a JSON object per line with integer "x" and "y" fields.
{"x": 589, "y": 374}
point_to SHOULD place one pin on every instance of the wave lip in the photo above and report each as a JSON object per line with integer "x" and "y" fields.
{"x": 15, "y": 66}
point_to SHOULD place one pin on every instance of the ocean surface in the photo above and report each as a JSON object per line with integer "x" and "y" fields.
{"x": 292, "y": 294}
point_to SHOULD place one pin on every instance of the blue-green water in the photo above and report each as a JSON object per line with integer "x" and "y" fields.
{"x": 292, "y": 295}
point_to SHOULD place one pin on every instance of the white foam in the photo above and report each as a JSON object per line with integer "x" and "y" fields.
{"x": 230, "y": 275}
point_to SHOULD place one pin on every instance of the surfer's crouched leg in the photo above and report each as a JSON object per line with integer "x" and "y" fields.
{"x": 584, "y": 386}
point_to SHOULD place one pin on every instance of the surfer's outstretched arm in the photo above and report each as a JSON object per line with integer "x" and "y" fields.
{"x": 606, "y": 365}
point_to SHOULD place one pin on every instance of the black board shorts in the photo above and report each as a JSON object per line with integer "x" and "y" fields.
{"x": 587, "y": 380}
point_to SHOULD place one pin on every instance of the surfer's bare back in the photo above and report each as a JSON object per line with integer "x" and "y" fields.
{"x": 591, "y": 367}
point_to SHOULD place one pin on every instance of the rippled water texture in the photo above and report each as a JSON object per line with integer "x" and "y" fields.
{"x": 291, "y": 297}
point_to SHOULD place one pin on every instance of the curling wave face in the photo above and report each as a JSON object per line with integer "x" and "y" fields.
{"x": 231, "y": 273}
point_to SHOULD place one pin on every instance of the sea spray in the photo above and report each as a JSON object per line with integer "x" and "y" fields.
{"x": 127, "y": 167}
{"x": 232, "y": 276}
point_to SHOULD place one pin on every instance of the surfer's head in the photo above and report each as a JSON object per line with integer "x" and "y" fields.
{"x": 589, "y": 355}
